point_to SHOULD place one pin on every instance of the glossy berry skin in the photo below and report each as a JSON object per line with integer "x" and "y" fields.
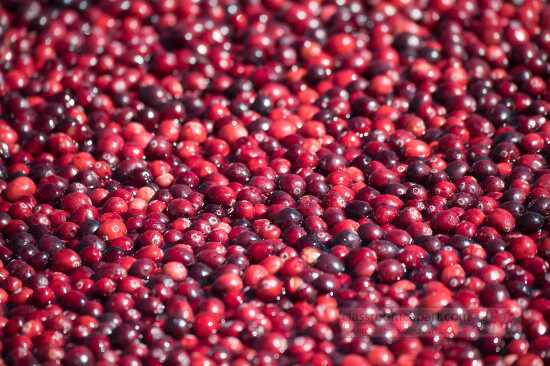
{"x": 236, "y": 183}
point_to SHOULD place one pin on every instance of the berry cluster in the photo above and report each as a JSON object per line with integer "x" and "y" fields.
{"x": 271, "y": 182}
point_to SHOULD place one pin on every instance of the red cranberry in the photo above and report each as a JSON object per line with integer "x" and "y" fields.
{"x": 79, "y": 356}
{"x": 523, "y": 247}
{"x": 19, "y": 188}
{"x": 66, "y": 260}
{"x": 390, "y": 270}
{"x": 205, "y": 324}
{"x": 501, "y": 220}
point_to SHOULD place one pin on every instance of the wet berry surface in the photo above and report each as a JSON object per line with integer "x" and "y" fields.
{"x": 274, "y": 182}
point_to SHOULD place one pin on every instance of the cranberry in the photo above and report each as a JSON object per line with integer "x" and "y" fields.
{"x": 112, "y": 229}
{"x": 390, "y": 270}
{"x": 446, "y": 220}
{"x": 65, "y": 260}
{"x": 19, "y": 188}
{"x": 205, "y": 324}
{"x": 269, "y": 287}
{"x": 494, "y": 294}
{"x": 523, "y": 247}
{"x": 79, "y": 356}
{"x": 501, "y": 220}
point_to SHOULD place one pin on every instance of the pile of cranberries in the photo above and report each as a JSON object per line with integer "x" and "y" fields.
{"x": 275, "y": 182}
